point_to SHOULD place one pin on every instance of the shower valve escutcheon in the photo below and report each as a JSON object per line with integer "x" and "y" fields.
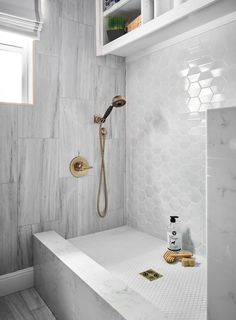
{"x": 79, "y": 167}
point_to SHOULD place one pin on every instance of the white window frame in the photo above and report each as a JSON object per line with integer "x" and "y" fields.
{"x": 25, "y": 48}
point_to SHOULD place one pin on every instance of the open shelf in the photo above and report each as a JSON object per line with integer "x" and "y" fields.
{"x": 129, "y": 9}
{"x": 123, "y": 7}
{"x": 159, "y": 23}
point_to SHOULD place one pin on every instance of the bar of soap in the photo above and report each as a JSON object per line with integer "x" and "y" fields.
{"x": 188, "y": 262}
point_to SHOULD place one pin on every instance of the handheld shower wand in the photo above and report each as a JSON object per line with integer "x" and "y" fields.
{"x": 117, "y": 101}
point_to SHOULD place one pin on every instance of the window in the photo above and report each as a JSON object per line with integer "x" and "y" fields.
{"x": 16, "y": 68}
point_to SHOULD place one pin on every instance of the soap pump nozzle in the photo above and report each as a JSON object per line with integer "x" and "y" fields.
{"x": 173, "y": 219}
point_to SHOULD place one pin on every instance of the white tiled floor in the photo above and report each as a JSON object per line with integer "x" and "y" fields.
{"x": 180, "y": 293}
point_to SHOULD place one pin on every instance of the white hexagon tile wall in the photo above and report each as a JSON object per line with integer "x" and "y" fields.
{"x": 168, "y": 93}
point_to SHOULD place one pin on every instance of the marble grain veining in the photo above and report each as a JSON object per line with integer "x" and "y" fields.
{"x": 8, "y": 142}
{"x": 38, "y": 142}
{"x": 50, "y": 41}
{"x": 71, "y": 288}
{"x": 24, "y": 305}
{"x": 38, "y": 181}
{"x": 41, "y": 119}
{"x": 8, "y": 225}
{"x": 221, "y": 213}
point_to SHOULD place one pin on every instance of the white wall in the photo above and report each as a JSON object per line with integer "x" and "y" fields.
{"x": 168, "y": 92}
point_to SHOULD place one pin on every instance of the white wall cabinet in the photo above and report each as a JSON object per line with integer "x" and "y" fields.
{"x": 163, "y": 21}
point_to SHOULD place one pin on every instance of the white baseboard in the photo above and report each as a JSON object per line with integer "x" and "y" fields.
{"x": 16, "y": 281}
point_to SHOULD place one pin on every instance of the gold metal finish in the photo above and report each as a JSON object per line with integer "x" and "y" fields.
{"x": 98, "y": 119}
{"x": 102, "y": 179}
{"x": 118, "y": 101}
{"x": 151, "y": 275}
{"x": 79, "y": 167}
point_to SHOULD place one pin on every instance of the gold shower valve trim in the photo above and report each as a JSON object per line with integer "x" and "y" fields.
{"x": 79, "y": 166}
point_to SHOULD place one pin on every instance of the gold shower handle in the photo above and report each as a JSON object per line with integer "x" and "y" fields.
{"x": 79, "y": 166}
{"x": 86, "y": 168}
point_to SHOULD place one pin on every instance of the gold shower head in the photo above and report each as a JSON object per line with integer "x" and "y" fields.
{"x": 118, "y": 101}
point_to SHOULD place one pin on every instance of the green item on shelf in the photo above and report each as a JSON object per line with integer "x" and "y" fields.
{"x": 116, "y": 23}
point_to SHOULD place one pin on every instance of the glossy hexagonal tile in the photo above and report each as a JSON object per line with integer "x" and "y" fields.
{"x": 205, "y": 95}
{"x": 205, "y": 79}
{"x": 194, "y": 104}
{"x": 194, "y": 74}
{"x": 166, "y": 154}
{"x": 194, "y": 89}
{"x": 205, "y": 63}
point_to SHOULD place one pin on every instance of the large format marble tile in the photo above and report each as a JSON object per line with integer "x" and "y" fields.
{"x": 69, "y": 206}
{"x": 68, "y": 59}
{"x": 41, "y": 119}
{"x": 25, "y": 236}
{"x": 77, "y": 132}
{"x": 77, "y": 72}
{"x": 38, "y": 181}
{"x": 66, "y": 69}
{"x": 87, "y": 215}
{"x": 24, "y": 247}
{"x": 70, "y": 10}
{"x": 86, "y": 12}
{"x": 81, "y": 11}
{"x": 221, "y": 133}
{"x": 8, "y": 228}
{"x": 85, "y": 84}
{"x": 8, "y": 144}
{"x": 50, "y": 40}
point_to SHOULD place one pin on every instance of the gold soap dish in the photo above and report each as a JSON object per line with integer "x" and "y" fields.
{"x": 79, "y": 166}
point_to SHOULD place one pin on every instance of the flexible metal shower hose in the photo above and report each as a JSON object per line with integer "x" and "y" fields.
{"x": 102, "y": 179}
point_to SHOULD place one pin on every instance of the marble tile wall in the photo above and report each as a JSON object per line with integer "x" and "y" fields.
{"x": 168, "y": 92}
{"x": 221, "y": 206}
{"x": 37, "y": 142}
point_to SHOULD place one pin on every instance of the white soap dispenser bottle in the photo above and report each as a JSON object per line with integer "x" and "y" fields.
{"x": 174, "y": 237}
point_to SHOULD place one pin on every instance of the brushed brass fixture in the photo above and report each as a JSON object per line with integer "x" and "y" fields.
{"x": 117, "y": 101}
{"x": 79, "y": 166}
{"x": 151, "y": 275}
{"x": 98, "y": 119}
{"x": 102, "y": 178}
